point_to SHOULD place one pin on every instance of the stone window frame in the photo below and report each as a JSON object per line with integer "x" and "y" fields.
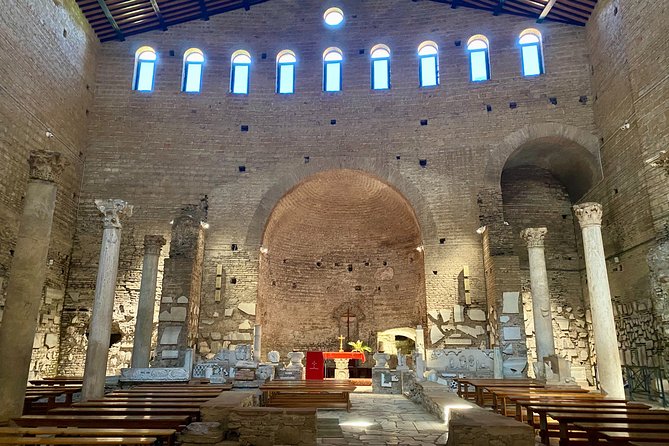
{"x": 332, "y": 56}
{"x": 187, "y": 67}
{"x": 476, "y": 45}
{"x": 285, "y": 59}
{"x": 425, "y": 54}
{"x": 531, "y": 37}
{"x": 240, "y": 59}
{"x": 380, "y": 60}
{"x": 145, "y": 56}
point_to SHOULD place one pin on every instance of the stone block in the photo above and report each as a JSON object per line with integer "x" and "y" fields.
{"x": 182, "y": 300}
{"x": 170, "y": 354}
{"x": 435, "y": 335}
{"x": 170, "y": 336}
{"x": 458, "y": 315}
{"x": 248, "y": 308}
{"x": 202, "y": 433}
{"x": 51, "y": 340}
{"x": 511, "y": 333}
{"x": 176, "y": 314}
{"x": 476, "y": 314}
{"x": 477, "y": 427}
{"x": 510, "y": 299}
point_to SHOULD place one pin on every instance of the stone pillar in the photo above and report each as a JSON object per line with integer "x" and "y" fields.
{"x": 141, "y": 347}
{"x": 257, "y": 336}
{"x": 420, "y": 353}
{"x": 103, "y": 307}
{"x": 541, "y": 302}
{"x": 606, "y": 340}
{"x": 26, "y": 281}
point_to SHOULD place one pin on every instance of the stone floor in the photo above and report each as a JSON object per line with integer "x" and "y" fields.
{"x": 383, "y": 420}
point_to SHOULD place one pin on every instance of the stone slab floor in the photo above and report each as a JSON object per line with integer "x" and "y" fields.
{"x": 381, "y": 420}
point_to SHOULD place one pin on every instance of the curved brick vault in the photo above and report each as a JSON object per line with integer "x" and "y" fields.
{"x": 341, "y": 239}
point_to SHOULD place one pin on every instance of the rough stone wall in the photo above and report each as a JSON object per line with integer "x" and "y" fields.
{"x": 47, "y": 65}
{"x": 628, "y": 58}
{"x": 165, "y": 148}
{"x": 533, "y": 197}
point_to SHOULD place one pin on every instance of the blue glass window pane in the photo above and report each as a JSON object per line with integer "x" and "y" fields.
{"x": 381, "y": 80}
{"x": 240, "y": 77}
{"x": 286, "y": 78}
{"x": 145, "y": 75}
{"x": 333, "y": 76}
{"x": 428, "y": 71}
{"x": 193, "y": 77}
{"x": 479, "y": 66}
{"x": 531, "y": 63}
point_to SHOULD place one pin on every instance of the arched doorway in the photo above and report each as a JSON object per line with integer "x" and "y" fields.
{"x": 341, "y": 255}
{"x": 540, "y": 182}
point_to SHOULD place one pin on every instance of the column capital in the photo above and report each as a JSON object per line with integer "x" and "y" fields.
{"x": 112, "y": 210}
{"x": 45, "y": 165}
{"x": 534, "y": 237}
{"x": 153, "y": 244}
{"x": 588, "y": 214}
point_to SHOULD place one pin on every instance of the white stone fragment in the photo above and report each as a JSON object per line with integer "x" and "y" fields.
{"x": 215, "y": 335}
{"x": 170, "y": 336}
{"x": 508, "y": 349}
{"x": 434, "y": 314}
{"x": 476, "y": 314}
{"x": 51, "y": 340}
{"x": 476, "y": 331}
{"x": 510, "y": 302}
{"x": 167, "y": 300}
{"x": 458, "y": 313}
{"x": 562, "y": 322}
{"x": 511, "y": 333}
{"x": 170, "y": 354}
{"x": 435, "y": 335}
{"x": 446, "y": 314}
{"x": 504, "y": 319}
{"x": 228, "y": 312}
{"x": 176, "y": 314}
{"x": 246, "y": 325}
{"x": 458, "y": 341}
{"x": 248, "y": 308}
{"x": 182, "y": 300}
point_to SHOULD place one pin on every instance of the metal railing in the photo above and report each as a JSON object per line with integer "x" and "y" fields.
{"x": 647, "y": 381}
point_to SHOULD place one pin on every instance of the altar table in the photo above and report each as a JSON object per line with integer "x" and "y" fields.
{"x": 341, "y": 361}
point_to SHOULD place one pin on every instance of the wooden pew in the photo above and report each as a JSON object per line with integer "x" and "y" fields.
{"x": 93, "y": 421}
{"x": 50, "y": 394}
{"x": 566, "y": 419}
{"x": 58, "y": 381}
{"x": 503, "y": 392}
{"x": 522, "y": 404}
{"x": 164, "y": 436}
{"x": 477, "y": 383}
{"x": 140, "y": 403}
{"x": 623, "y": 432}
{"x": 104, "y": 411}
{"x": 78, "y": 440}
{"x": 317, "y": 394}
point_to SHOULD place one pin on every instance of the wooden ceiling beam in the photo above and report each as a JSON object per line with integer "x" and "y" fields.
{"x": 546, "y": 11}
{"x": 499, "y": 7}
{"x": 159, "y": 15}
{"x": 204, "y": 13}
{"x": 111, "y": 20}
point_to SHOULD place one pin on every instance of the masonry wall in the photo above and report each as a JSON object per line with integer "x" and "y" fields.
{"x": 628, "y": 69}
{"x": 163, "y": 149}
{"x": 47, "y": 66}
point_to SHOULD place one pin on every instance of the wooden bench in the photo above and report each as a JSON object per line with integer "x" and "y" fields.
{"x": 139, "y": 403}
{"x": 623, "y": 432}
{"x": 478, "y": 383}
{"x": 164, "y": 436}
{"x": 497, "y": 393}
{"x": 110, "y": 421}
{"x": 310, "y": 394}
{"x": 192, "y": 412}
{"x": 50, "y": 394}
{"x": 78, "y": 440}
{"x": 522, "y": 404}
{"x": 58, "y": 381}
{"x": 566, "y": 420}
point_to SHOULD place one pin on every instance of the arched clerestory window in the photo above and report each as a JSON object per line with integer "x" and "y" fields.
{"x": 428, "y": 67}
{"x": 145, "y": 68}
{"x": 192, "y": 72}
{"x": 479, "y": 58}
{"x": 531, "y": 52}
{"x": 285, "y": 72}
{"x": 240, "y": 72}
{"x": 380, "y": 67}
{"x": 332, "y": 70}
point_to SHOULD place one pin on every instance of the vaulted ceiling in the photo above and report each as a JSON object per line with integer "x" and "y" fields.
{"x": 117, "y": 19}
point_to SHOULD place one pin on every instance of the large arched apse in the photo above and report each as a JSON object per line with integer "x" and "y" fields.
{"x": 540, "y": 182}
{"x": 341, "y": 255}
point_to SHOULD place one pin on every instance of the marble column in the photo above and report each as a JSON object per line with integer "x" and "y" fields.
{"x": 420, "y": 353}
{"x": 26, "y": 281}
{"x": 606, "y": 340}
{"x": 257, "y": 336}
{"x": 141, "y": 347}
{"x": 541, "y": 303}
{"x": 103, "y": 307}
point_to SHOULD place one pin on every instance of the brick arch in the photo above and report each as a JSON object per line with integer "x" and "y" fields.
{"x": 291, "y": 178}
{"x": 567, "y": 151}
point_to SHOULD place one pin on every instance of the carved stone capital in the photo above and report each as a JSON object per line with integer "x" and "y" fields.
{"x": 588, "y": 214}
{"x": 153, "y": 244}
{"x": 534, "y": 237}
{"x": 46, "y": 166}
{"x": 112, "y": 211}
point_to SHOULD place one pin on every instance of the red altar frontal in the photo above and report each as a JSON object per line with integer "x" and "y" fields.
{"x": 316, "y": 363}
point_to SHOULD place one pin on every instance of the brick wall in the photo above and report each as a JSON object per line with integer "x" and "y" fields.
{"x": 629, "y": 78}
{"x": 47, "y": 67}
{"x": 163, "y": 149}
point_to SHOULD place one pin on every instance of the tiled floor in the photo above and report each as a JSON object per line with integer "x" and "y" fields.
{"x": 384, "y": 420}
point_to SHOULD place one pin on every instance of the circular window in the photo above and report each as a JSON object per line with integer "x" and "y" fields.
{"x": 333, "y": 17}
